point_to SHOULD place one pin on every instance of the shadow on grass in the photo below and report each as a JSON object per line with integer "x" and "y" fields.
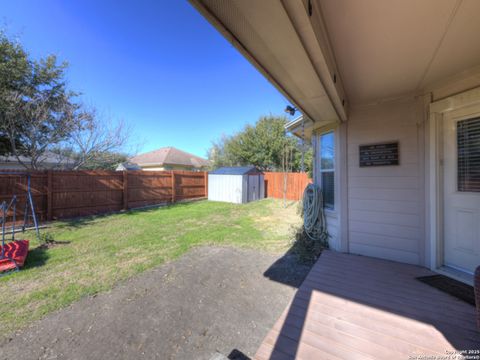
{"x": 36, "y": 257}
{"x": 166, "y": 205}
{"x": 78, "y": 222}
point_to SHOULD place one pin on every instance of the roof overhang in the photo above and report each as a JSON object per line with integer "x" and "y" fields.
{"x": 301, "y": 127}
{"x": 400, "y": 48}
{"x": 304, "y": 128}
{"x": 380, "y": 49}
{"x": 287, "y": 42}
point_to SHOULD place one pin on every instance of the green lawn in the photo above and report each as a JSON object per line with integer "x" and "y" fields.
{"x": 104, "y": 250}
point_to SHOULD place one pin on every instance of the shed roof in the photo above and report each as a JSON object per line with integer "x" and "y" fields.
{"x": 235, "y": 170}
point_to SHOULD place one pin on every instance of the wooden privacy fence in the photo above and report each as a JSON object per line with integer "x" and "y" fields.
{"x": 67, "y": 194}
{"x": 275, "y": 185}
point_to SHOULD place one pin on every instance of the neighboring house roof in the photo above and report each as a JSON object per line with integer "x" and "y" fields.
{"x": 48, "y": 159}
{"x": 128, "y": 166}
{"x": 169, "y": 156}
{"x": 236, "y": 170}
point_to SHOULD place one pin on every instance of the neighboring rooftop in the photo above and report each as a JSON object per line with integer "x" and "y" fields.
{"x": 47, "y": 159}
{"x": 128, "y": 166}
{"x": 169, "y": 156}
{"x": 235, "y": 170}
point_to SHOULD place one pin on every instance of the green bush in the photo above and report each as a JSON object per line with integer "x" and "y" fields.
{"x": 307, "y": 249}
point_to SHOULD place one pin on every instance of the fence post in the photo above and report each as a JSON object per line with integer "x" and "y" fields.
{"x": 49, "y": 195}
{"x": 125, "y": 190}
{"x": 205, "y": 182}
{"x": 173, "y": 186}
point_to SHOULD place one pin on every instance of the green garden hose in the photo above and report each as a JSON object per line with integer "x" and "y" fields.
{"x": 313, "y": 214}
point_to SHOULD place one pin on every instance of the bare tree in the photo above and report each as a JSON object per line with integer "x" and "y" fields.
{"x": 41, "y": 119}
{"x": 38, "y": 123}
{"x": 94, "y": 143}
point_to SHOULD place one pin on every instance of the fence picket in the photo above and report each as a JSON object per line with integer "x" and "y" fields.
{"x": 66, "y": 194}
{"x": 296, "y": 183}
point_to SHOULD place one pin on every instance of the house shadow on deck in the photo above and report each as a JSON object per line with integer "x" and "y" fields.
{"x": 356, "y": 307}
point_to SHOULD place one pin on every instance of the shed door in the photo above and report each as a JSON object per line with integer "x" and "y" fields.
{"x": 253, "y": 187}
{"x": 461, "y": 175}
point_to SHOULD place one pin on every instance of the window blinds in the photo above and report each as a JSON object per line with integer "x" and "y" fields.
{"x": 468, "y": 164}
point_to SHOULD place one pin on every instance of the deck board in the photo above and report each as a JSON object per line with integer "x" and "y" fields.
{"x": 356, "y": 307}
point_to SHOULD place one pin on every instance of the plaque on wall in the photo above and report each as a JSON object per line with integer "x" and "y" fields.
{"x": 385, "y": 154}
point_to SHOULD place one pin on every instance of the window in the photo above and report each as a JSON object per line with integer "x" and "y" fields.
{"x": 468, "y": 145}
{"x": 327, "y": 169}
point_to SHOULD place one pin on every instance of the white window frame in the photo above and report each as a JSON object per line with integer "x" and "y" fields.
{"x": 333, "y": 170}
{"x": 338, "y": 217}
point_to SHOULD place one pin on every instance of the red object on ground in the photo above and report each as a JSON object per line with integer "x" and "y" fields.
{"x": 16, "y": 250}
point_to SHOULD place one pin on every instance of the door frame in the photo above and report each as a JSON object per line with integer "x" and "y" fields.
{"x": 434, "y": 169}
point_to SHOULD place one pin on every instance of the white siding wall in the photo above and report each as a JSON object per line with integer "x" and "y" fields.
{"x": 333, "y": 226}
{"x": 226, "y": 188}
{"x": 386, "y": 204}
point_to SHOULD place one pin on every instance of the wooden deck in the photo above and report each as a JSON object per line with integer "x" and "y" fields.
{"x": 355, "y": 307}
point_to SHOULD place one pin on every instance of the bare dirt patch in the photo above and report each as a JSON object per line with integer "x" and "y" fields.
{"x": 213, "y": 299}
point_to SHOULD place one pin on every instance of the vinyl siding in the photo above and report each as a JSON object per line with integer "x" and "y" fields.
{"x": 386, "y": 204}
{"x": 333, "y": 226}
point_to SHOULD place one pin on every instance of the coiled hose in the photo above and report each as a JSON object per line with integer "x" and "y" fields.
{"x": 313, "y": 215}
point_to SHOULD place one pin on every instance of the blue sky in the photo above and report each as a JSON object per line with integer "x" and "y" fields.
{"x": 159, "y": 65}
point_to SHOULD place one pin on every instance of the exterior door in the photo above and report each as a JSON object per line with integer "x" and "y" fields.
{"x": 253, "y": 187}
{"x": 461, "y": 187}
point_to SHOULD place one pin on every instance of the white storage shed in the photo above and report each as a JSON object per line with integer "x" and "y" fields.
{"x": 237, "y": 185}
